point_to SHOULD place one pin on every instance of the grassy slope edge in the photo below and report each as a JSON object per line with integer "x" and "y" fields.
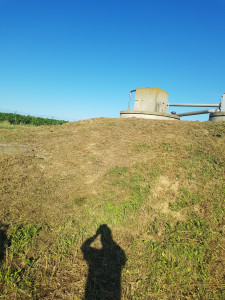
{"x": 158, "y": 185}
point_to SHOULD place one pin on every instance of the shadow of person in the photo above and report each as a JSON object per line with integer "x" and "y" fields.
{"x": 3, "y": 241}
{"x": 105, "y": 266}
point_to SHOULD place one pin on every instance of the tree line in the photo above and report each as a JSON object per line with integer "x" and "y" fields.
{"x": 14, "y": 118}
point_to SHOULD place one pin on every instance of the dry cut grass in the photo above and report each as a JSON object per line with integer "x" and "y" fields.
{"x": 113, "y": 209}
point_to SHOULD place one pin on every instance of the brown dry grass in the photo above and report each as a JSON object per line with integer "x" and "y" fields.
{"x": 65, "y": 183}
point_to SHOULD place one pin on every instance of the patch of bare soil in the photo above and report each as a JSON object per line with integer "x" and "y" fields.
{"x": 10, "y": 148}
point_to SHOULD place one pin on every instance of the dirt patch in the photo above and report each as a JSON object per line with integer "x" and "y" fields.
{"x": 165, "y": 192}
{"x": 12, "y": 149}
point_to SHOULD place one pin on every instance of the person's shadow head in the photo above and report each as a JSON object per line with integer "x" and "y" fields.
{"x": 105, "y": 266}
{"x": 106, "y": 236}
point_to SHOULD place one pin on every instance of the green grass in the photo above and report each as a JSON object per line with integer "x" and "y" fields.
{"x": 178, "y": 263}
{"x": 7, "y": 127}
{"x": 185, "y": 199}
{"x": 184, "y": 258}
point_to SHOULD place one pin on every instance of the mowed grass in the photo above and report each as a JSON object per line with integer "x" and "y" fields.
{"x": 165, "y": 210}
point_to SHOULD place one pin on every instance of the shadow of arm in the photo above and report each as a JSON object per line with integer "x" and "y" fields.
{"x": 86, "y": 247}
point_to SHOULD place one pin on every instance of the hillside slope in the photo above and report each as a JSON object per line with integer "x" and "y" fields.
{"x": 157, "y": 185}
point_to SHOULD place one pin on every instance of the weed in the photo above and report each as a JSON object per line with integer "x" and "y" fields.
{"x": 185, "y": 199}
{"x": 182, "y": 258}
{"x": 141, "y": 147}
{"x": 79, "y": 201}
{"x": 118, "y": 213}
{"x": 154, "y": 172}
{"x": 167, "y": 147}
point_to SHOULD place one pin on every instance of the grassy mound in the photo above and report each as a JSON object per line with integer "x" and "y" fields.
{"x": 113, "y": 208}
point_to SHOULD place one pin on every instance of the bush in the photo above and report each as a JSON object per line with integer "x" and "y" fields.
{"x": 21, "y": 119}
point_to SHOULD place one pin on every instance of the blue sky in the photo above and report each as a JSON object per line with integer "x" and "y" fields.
{"x": 79, "y": 59}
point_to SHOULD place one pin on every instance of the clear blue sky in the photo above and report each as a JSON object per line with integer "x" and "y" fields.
{"x": 77, "y": 59}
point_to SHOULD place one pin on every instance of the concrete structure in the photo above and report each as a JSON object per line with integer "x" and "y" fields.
{"x": 215, "y": 115}
{"x": 218, "y": 116}
{"x": 222, "y": 103}
{"x": 147, "y": 115}
{"x": 150, "y": 103}
{"x": 151, "y": 100}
